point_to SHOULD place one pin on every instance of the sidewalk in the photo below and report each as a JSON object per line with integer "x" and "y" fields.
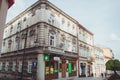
{"x": 84, "y": 78}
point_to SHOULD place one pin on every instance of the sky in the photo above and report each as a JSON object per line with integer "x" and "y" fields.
{"x": 101, "y": 17}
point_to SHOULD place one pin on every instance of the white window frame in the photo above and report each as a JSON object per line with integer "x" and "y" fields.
{"x": 53, "y": 40}
{"x": 29, "y": 69}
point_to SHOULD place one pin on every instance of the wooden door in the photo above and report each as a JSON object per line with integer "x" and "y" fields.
{"x": 63, "y": 70}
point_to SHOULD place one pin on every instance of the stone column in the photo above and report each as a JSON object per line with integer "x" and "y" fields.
{"x": 40, "y": 67}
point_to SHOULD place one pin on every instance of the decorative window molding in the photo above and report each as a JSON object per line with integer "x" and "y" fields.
{"x": 19, "y": 26}
{"x": 32, "y": 32}
{"x": 23, "y": 35}
{"x": 68, "y": 24}
{"x": 11, "y": 29}
{"x": 63, "y": 20}
{"x": 24, "y": 19}
{"x": 17, "y": 38}
{"x": 4, "y": 43}
{"x": 74, "y": 41}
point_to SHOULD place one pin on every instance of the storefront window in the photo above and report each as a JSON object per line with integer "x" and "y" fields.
{"x": 71, "y": 67}
{"x": 51, "y": 67}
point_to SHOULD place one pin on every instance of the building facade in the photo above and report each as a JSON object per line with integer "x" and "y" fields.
{"x": 4, "y": 6}
{"x": 86, "y": 52}
{"x": 99, "y": 63}
{"x": 42, "y": 44}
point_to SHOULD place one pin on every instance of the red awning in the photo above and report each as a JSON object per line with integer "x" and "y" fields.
{"x": 10, "y": 3}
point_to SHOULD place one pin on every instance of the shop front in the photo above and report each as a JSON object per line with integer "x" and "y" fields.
{"x": 57, "y": 66}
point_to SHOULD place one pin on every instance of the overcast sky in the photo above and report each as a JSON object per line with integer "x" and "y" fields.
{"x": 102, "y": 17}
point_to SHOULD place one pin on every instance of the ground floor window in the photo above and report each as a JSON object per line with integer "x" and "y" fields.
{"x": 51, "y": 67}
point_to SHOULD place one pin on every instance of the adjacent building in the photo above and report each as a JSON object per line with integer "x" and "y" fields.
{"x": 108, "y": 53}
{"x": 85, "y": 52}
{"x": 4, "y": 6}
{"x": 99, "y": 63}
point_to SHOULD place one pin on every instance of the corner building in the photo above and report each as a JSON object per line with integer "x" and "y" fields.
{"x": 41, "y": 43}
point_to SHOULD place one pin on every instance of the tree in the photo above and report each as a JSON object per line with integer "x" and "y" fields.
{"x": 113, "y": 65}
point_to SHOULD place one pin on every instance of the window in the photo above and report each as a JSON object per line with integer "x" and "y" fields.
{"x": 51, "y": 19}
{"x": 19, "y": 27}
{"x": 6, "y": 66}
{"x": 14, "y": 66}
{"x": 24, "y": 19}
{"x": 20, "y": 66}
{"x": 4, "y": 43}
{"x": 9, "y": 45}
{"x": 68, "y": 24}
{"x": 29, "y": 70}
{"x": 0, "y": 66}
{"x": 52, "y": 39}
{"x": 51, "y": 67}
{"x": 63, "y": 20}
{"x": 73, "y": 27}
{"x": 11, "y": 29}
{"x": 71, "y": 67}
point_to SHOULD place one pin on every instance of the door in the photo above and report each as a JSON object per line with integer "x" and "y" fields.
{"x": 64, "y": 70}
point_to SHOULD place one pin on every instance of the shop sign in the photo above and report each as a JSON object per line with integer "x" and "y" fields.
{"x": 46, "y": 57}
{"x": 56, "y": 58}
{"x": 70, "y": 67}
{"x": 34, "y": 64}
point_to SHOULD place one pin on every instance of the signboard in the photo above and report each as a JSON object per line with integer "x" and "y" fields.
{"x": 34, "y": 64}
{"x": 70, "y": 67}
{"x": 56, "y": 58}
{"x": 46, "y": 57}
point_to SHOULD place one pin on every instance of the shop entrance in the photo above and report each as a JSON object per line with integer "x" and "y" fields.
{"x": 63, "y": 69}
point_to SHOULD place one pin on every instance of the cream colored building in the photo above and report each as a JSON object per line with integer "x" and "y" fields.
{"x": 49, "y": 51}
{"x": 43, "y": 41}
{"x": 86, "y": 51}
{"x": 108, "y": 53}
{"x": 99, "y": 63}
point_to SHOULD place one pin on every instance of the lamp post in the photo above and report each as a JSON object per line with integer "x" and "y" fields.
{"x": 23, "y": 55}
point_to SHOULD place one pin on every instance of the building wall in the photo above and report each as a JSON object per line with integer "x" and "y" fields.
{"x": 3, "y": 13}
{"x": 99, "y": 64}
{"x": 44, "y": 29}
